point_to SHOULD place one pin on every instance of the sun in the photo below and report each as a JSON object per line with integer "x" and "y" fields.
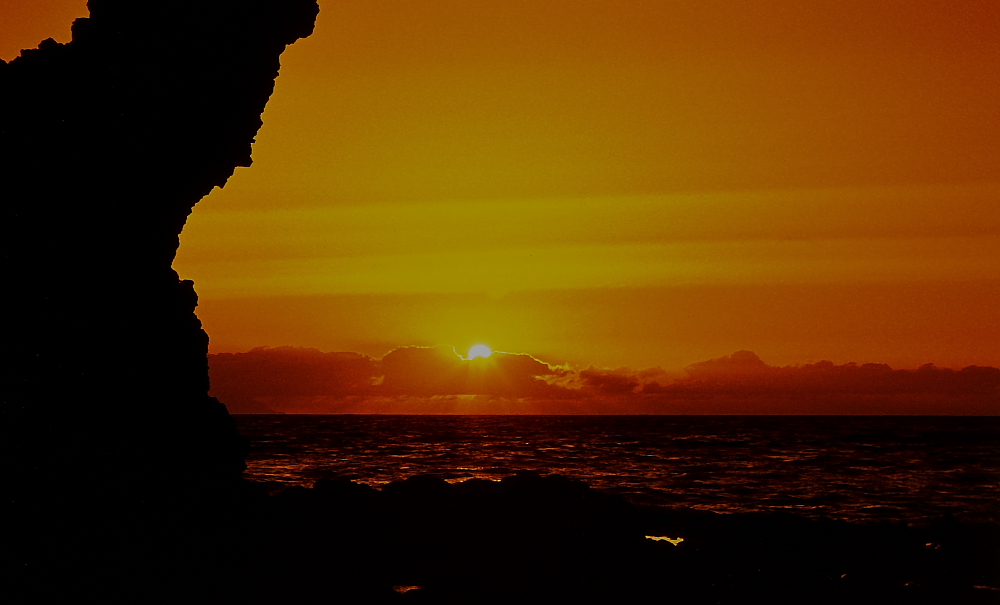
{"x": 479, "y": 351}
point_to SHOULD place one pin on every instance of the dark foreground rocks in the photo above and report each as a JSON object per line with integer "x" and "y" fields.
{"x": 524, "y": 539}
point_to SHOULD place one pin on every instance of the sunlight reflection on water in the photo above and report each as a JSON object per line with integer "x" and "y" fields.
{"x": 852, "y": 468}
{"x": 674, "y": 541}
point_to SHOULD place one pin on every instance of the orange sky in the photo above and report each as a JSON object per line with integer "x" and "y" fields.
{"x": 614, "y": 183}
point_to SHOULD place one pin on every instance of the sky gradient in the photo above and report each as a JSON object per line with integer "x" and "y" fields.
{"x": 614, "y": 183}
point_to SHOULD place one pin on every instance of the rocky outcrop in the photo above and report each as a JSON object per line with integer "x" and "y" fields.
{"x": 551, "y": 539}
{"x": 118, "y": 460}
{"x": 106, "y": 144}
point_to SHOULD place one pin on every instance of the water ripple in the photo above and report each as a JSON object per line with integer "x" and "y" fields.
{"x": 858, "y": 468}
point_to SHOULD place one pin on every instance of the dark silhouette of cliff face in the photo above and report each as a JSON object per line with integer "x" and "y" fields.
{"x": 106, "y": 144}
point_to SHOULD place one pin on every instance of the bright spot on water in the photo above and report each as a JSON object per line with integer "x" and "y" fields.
{"x": 674, "y": 541}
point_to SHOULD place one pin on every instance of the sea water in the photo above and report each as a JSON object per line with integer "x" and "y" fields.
{"x": 859, "y": 468}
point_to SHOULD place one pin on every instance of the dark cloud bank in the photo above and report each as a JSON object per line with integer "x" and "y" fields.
{"x": 413, "y": 380}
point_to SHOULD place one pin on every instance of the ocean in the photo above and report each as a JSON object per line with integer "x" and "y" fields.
{"x": 856, "y": 468}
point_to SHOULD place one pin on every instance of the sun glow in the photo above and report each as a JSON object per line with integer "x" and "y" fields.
{"x": 479, "y": 351}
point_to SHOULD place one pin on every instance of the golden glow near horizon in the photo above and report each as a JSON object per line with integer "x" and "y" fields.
{"x": 643, "y": 183}
{"x": 479, "y": 351}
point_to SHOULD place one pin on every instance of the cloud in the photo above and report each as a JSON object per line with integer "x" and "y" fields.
{"x": 743, "y": 383}
{"x": 745, "y": 371}
{"x": 289, "y": 378}
{"x": 302, "y": 380}
{"x": 608, "y": 382}
{"x": 423, "y": 371}
{"x": 438, "y": 380}
{"x": 427, "y": 371}
{"x": 740, "y": 363}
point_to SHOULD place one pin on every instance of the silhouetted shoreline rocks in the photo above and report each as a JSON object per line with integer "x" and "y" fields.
{"x": 107, "y": 143}
{"x": 534, "y": 539}
{"x": 523, "y": 539}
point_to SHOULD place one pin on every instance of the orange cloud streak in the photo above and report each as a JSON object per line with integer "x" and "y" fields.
{"x": 435, "y": 380}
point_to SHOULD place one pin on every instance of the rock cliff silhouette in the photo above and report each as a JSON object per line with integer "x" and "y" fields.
{"x": 106, "y": 144}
